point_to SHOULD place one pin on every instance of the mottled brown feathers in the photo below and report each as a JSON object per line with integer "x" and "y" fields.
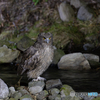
{"x": 38, "y": 57}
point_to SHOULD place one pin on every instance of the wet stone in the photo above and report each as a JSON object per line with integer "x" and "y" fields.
{"x": 42, "y": 95}
{"x": 53, "y": 83}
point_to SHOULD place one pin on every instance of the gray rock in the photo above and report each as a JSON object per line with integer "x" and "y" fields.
{"x": 54, "y": 97}
{"x": 53, "y": 83}
{"x": 54, "y": 91}
{"x": 70, "y": 98}
{"x": 23, "y": 91}
{"x": 11, "y": 91}
{"x": 91, "y": 57}
{"x": 74, "y": 61}
{"x": 84, "y": 14}
{"x": 7, "y": 55}
{"x": 88, "y": 46}
{"x": 42, "y": 95}
{"x": 24, "y": 43}
{"x": 77, "y": 3}
{"x": 35, "y": 89}
{"x": 57, "y": 55}
{"x": 66, "y": 12}
{"x": 17, "y": 95}
{"x": 26, "y": 97}
{"x": 36, "y": 83}
{"x": 66, "y": 90}
{"x": 4, "y": 91}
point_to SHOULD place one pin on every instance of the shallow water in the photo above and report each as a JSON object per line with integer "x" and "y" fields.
{"x": 81, "y": 81}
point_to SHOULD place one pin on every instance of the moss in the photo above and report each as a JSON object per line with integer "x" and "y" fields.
{"x": 62, "y": 33}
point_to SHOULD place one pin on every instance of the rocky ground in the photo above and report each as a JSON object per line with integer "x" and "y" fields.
{"x": 40, "y": 90}
{"x": 74, "y": 25}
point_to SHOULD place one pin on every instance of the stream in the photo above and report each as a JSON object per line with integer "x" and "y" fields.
{"x": 80, "y": 81}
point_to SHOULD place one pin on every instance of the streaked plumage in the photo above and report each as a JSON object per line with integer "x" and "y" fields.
{"x": 38, "y": 57}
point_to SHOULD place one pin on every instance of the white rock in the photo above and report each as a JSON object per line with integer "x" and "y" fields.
{"x": 66, "y": 12}
{"x": 35, "y": 89}
{"x": 4, "y": 91}
{"x": 73, "y": 61}
{"x": 77, "y": 3}
{"x": 91, "y": 57}
{"x": 11, "y": 90}
{"x": 84, "y": 14}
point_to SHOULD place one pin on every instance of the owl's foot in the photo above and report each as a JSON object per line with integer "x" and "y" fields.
{"x": 39, "y": 79}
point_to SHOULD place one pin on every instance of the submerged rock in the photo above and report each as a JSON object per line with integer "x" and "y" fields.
{"x": 4, "y": 91}
{"x": 74, "y": 61}
{"x": 84, "y": 14}
{"x": 7, "y": 55}
{"x": 66, "y": 12}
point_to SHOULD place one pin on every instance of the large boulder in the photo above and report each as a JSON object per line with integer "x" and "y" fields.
{"x": 4, "y": 91}
{"x": 73, "y": 61}
{"x": 8, "y": 55}
{"x": 66, "y": 12}
{"x": 84, "y": 14}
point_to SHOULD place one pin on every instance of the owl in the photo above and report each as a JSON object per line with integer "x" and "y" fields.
{"x": 37, "y": 58}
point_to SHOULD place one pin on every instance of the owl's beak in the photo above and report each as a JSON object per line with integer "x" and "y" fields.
{"x": 47, "y": 40}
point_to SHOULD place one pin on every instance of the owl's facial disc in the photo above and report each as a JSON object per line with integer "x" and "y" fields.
{"x": 47, "y": 40}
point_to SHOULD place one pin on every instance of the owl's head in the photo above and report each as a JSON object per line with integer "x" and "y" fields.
{"x": 45, "y": 38}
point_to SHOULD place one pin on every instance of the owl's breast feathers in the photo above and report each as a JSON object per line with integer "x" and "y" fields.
{"x": 36, "y": 60}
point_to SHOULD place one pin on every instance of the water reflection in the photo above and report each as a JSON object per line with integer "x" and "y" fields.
{"x": 79, "y": 80}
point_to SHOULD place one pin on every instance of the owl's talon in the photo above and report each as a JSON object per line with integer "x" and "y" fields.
{"x": 39, "y": 79}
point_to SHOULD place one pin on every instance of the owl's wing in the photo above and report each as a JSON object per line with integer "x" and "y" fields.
{"x": 29, "y": 60}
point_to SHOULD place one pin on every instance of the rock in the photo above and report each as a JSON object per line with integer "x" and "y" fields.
{"x": 77, "y": 3}
{"x": 12, "y": 99}
{"x": 98, "y": 98}
{"x": 36, "y": 83}
{"x": 52, "y": 97}
{"x": 7, "y": 55}
{"x": 42, "y": 95}
{"x": 74, "y": 61}
{"x": 17, "y": 95}
{"x": 66, "y": 90}
{"x": 11, "y": 91}
{"x": 35, "y": 89}
{"x": 91, "y": 57}
{"x": 98, "y": 19}
{"x": 88, "y": 46}
{"x": 57, "y": 55}
{"x": 54, "y": 91}
{"x": 24, "y": 43}
{"x": 84, "y": 14}
{"x": 53, "y": 83}
{"x": 4, "y": 91}
{"x": 66, "y": 12}
{"x": 71, "y": 98}
{"x": 26, "y": 97}
{"x": 23, "y": 91}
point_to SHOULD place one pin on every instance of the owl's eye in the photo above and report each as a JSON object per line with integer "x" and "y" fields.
{"x": 43, "y": 38}
{"x": 49, "y": 38}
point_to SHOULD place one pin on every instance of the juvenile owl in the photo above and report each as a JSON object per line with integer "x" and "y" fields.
{"x": 37, "y": 58}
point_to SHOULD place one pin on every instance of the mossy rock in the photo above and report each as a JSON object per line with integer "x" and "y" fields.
{"x": 28, "y": 97}
{"x": 66, "y": 89}
{"x": 24, "y": 43}
{"x": 98, "y": 98}
{"x": 58, "y": 53}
